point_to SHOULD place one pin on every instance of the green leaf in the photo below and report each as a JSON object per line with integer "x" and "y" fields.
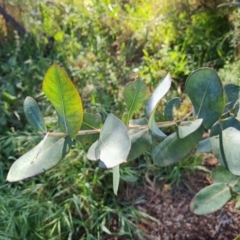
{"x": 210, "y": 199}
{"x": 235, "y": 186}
{"x": 221, "y": 174}
{"x": 204, "y": 146}
{"x": 224, "y": 139}
{"x": 42, "y": 157}
{"x": 64, "y": 96}
{"x": 168, "y": 111}
{"x": 141, "y": 141}
{"x": 205, "y": 90}
{"x": 116, "y": 179}
{"x": 91, "y": 154}
{"x": 172, "y": 149}
{"x": 34, "y": 115}
{"x": 184, "y": 131}
{"x": 135, "y": 93}
{"x": 153, "y": 101}
{"x": 232, "y": 94}
{"x": 233, "y": 4}
{"x": 113, "y": 145}
{"x": 138, "y": 122}
{"x": 90, "y": 122}
{"x": 141, "y": 138}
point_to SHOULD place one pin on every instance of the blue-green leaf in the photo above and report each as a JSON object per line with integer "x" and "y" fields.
{"x": 172, "y": 148}
{"x": 116, "y": 179}
{"x": 185, "y": 130}
{"x": 204, "y": 146}
{"x": 113, "y": 145}
{"x": 205, "y": 91}
{"x": 221, "y": 174}
{"x": 210, "y": 199}
{"x": 42, "y": 157}
{"x": 34, "y": 115}
{"x": 153, "y": 101}
{"x": 233, "y": 4}
{"x": 224, "y": 139}
{"x": 168, "y": 111}
{"x": 232, "y": 95}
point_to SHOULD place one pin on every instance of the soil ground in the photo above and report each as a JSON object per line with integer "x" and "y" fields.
{"x": 174, "y": 220}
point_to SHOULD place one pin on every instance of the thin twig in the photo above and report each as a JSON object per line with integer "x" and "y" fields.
{"x": 131, "y": 126}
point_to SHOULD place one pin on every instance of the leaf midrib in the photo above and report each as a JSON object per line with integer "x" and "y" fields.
{"x": 204, "y": 96}
{"x": 135, "y": 97}
{"x": 36, "y": 120}
{"x": 62, "y": 100}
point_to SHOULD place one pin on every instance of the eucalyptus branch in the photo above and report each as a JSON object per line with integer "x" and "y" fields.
{"x": 131, "y": 126}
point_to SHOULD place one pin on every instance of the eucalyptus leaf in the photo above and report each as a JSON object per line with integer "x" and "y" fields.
{"x": 91, "y": 154}
{"x": 205, "y": 91}
{"x": 204, "y": 146}
{"x": 235, "y": 186}
{"x": 168, "y": 111}
{"x": 34, "y": 115}
{"x": 41, "y": 158}
{"x": 232, "y": 95}
{"x": 141, "y": 138}
{"x": 233, "y": 4}
{"x": 116, "y": 179}
{"x": 210, "y": 199}
{"x": 153, "y": 101}
{"x": 64, "y": 96}
{"x": 184, "y": 131}
{"x": 221, "y": 174}
{"x": 113, "y": 145}
{"x": 141, "y": 141}
{"x": 224, "y": 139}
{"x": 138, "y": 122}
{"x": 90, "y": 122}
{"x": 135, "y": 93}
{"x": 172, "y": 149}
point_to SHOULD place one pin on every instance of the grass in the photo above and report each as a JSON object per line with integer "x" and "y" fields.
{"x": 73, "y": 200}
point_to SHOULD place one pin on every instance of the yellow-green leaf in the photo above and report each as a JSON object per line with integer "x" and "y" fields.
{"x": 64, "y": 96}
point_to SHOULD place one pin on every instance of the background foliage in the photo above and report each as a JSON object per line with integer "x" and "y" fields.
{"x": 103, "y": 45}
